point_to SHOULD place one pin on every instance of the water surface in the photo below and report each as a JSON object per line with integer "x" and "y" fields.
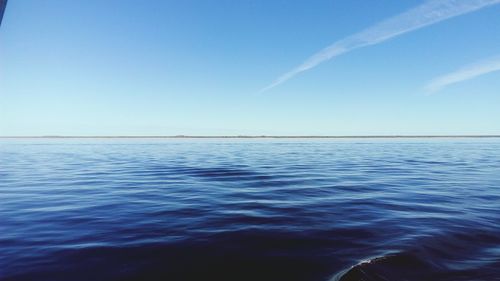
{"x": 304, "y": 210}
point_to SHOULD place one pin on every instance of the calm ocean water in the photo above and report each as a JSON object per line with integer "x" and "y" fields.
{"x": 304, "y": 210}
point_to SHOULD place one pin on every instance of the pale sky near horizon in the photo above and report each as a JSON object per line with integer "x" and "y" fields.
{"x": 191, "y": 67}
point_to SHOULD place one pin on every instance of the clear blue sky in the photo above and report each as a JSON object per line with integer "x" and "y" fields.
{"x": 123, "y": 67}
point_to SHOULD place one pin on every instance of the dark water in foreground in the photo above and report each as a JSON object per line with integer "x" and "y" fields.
{"x": 250, "y": 210}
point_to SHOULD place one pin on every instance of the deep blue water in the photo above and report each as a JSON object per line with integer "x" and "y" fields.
{"x": 414, "y": 209}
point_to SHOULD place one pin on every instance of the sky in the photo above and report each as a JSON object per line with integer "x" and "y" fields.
{"x": 250, "y": 67}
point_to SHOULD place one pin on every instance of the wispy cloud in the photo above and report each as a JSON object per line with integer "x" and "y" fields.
{"x": 430, "y": 12}
{"x": 464, "y": 73}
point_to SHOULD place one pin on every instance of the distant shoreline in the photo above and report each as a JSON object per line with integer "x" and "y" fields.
{"x": 252, "y": 137}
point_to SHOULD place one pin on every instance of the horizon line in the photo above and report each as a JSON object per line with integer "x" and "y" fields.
{"x": 248, "y": 136}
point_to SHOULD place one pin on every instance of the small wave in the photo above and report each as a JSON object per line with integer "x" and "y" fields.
{"x": 470, "y": 255}
{"x": 398, "y": 266}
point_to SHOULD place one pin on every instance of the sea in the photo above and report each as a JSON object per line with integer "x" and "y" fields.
{"x": 414, "y": 209}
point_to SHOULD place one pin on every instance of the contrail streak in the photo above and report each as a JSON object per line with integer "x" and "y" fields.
{"x": 430, "y": 12}
{"x": 464, "y": 73}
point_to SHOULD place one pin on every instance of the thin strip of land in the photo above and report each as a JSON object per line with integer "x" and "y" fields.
{"x": 251, "y": 137}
